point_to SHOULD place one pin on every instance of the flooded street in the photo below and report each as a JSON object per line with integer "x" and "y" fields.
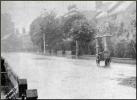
{"x": 66, "y": 78}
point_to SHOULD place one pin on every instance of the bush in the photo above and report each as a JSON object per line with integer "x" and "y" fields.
{"x": 123, "y": 49}
{"x": 120, "y": 49}
{"x": 92, "y": 48}
{"x": 67, "y": 45}
{"x": 129, "y": 51}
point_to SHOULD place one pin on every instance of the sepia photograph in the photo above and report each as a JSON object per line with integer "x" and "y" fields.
{"x": 68, "y": 50}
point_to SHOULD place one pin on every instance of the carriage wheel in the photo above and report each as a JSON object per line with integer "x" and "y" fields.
{"x": 98, "y": 60}
{"x": 107, "y": 62}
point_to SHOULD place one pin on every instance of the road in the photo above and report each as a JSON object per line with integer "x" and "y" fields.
{"x": 66, "y": 78}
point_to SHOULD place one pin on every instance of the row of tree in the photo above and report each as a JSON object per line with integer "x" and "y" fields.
{"x": 74, "y": 26}
{"x": 56, "y": 30}
{"x": 9, "y": 40}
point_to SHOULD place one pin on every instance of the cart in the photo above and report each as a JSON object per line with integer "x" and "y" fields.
{"x": 103, "y": 56}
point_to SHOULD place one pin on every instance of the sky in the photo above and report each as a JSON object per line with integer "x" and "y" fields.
{"x": 24, "y": 12}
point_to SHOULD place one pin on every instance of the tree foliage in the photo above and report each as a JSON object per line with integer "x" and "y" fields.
{"x": 81, "y": 30}
{"x": 10, "y": 41}
{"x": 50, "y": 27}
{"x": 35, "y": 31}
{"x": 68, "y": 18}
{"x": 47, "y": 25}
{"x": 7, "y": 26}
{"x": 75, "y": 26}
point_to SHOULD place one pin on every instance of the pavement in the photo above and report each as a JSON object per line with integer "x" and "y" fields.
{"x": 93, "y": 57}
{"x": 72, "y": 78}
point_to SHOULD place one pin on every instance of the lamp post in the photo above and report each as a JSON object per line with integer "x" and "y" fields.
{"x": 98, "y": 42}
{"x": 77, "y": 48}
{"x": 106, "y": 40}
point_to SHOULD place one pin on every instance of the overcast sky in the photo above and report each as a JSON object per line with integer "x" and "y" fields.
{"x": 24, "y": 12}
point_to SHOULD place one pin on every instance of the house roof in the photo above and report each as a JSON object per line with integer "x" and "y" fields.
{"x": 122, "y": 7}
{"x": 5, "y": 37}
{"x": 106, "y": 6}
{"x": 115, "y": 8}
{"x": 116, "y": 5}
{"x": 18, "y": 35}
{"x": 22, "y": 35}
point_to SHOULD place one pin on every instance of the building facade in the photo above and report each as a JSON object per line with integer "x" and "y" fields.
{"x": 118, "y": 11}
{"x": 27, "y": 44}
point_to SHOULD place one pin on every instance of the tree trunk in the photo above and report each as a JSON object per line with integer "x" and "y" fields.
{"x": 63, "y": 49}
{"x": 79, "y": 48}
{"x": 49, "y": 49}
{"x": 73, "y": 48}
{"x": 132, "y": 42}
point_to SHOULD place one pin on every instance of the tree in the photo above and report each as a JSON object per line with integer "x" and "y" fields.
{"x": 69, "y": 18}
{"x": 35, "y": 32}
{"x": 12, "y": 42}
{"x": 50, "y": 27}
{"x": 72, "y": 7}
{"x": 82, "y": 32}
{"x": 130, "y": 27}
{"x": 7, "y": 26}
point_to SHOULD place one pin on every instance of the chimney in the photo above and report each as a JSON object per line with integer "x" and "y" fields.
{"x": 98, "y": 4}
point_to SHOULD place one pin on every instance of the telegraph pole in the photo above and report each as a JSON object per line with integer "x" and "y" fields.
{"x": 44, "y": 43}
{"x": 76, "y": 48}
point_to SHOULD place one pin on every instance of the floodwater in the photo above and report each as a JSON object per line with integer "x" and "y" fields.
{"x": 68, "y": 78}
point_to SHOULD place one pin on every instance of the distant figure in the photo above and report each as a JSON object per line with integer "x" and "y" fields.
{"x": 55, "y": 51}
{"x": 50, "y": 51}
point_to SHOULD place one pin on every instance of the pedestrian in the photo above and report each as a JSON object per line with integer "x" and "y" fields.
{"x": 50, "y": 51}
{"x": 55, "y": 51}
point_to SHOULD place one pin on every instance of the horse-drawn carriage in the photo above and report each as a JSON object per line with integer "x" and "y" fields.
{"x": 103, "y": 56}
{"x": 106, "y": 54}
